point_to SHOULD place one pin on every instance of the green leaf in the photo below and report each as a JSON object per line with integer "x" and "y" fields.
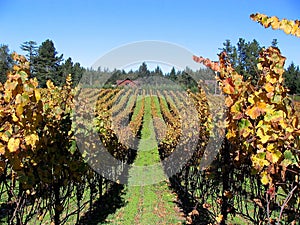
{"x": 244, "y": 123}
{"x": 288, "y": 155}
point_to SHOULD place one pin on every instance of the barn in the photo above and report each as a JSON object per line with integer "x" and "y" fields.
{"x": 127, "y": 82}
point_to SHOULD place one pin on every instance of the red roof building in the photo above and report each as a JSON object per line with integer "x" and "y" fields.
{"x": 126, "y": 82}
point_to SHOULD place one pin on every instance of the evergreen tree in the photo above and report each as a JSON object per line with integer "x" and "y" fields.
{"x": 231, "y": 52}
{"x": 158, "y": 71}
{"x": 250, "y": 64}
{"x": 5, "y": 62}
{"x": 31, "y": 48}
{"x": 186, "y": 80}
{"x": 47, "y": 64}
{"x": 173, "y": 74}
{"x": 292, "y": 79}
{"x": 68, "y": 67}
{"x": 244, "y": 57}
{"x": 78, "y": 72}
{"x": 143, "y": 70}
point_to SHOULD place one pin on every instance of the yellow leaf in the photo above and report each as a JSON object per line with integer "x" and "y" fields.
{"x": 287, "y": 28}
{"x": 11, "y": 85}
{"x": 276, "y": 155}
{"x": 31, "y": 139}
{"x": 270, "y": 79}
{"x": 275, "y": 23}
{"x": 251, "y": 99}
{"x": 13, "y": 144}
{"x": 228, "y": 101}
{"x": 269, "y": 87}
{"x": 236, "y": 108}
{"x": 7, "y": 95}
{"x": 41, "y": 217}
{"x": 256, "y": 110}
{"x": 18, "y": 99}
{"x": 269, "y": 109}
{"x": 271, "y": 147}
{"x": 19, "y": 110}
{"x": 295, "y": 122}
{"x": 230, "y": 134}
{"x": 2, "y": 149}
{"x": 219, "y": 218}
{"x": 264, "y": 178}
{"x": 259, "y": 161}
{"x": 290, "y": 129}
{"x": 5, "y": 136}
{"x": 275, "y": 136}
{"x": 15, "y": 119}
{"x": 246, "y": 132}
{"x": 259, "y": 67}
{"x": 263, "y": 138}
{"x": 37, "y": 94}
{"x": 50, "y": 84}
{"x": 228, "y": 86}
{"x": 295, "y": 28}
{"x": 297, "y": 33}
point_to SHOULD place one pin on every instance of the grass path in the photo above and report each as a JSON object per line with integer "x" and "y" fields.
{"x": 147, "y": 200}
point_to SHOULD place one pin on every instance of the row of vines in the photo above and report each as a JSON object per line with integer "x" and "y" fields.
{"x": 257, "y": 170}
{"x": 48, "y": 165}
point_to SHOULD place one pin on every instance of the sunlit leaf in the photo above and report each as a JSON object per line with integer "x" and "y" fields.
{"x": 269, "y": 87}
{"x": 219, "y": 218}
{"x": 2, "y": 149}
{"x": 263, "y": 137}
{"x": 228, "y": 86}
{"x": 273, "y": 156}
{"x": 276, "y": 155}
{"x": 228, "y": 101}
{"x": 37, "y": 94}
{"x": 13, "y": 144}
{"x": 264, "y": 178}
{"x": 255, "y": 111}
{"x": 31, "y": 139}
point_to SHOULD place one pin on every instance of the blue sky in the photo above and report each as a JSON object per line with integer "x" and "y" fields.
{"x": 87, "y": 29}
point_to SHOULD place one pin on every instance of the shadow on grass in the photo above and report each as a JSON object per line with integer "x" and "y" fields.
{"x": 107, "y": 204}
{"x": 110, "y": 202}
{"x": 5, "y": 210}
{"x": 187, "y": 204}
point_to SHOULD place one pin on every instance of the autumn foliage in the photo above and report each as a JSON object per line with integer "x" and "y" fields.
{"x": 261, "y": 122}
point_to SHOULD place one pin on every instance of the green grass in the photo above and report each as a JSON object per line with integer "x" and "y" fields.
{"x": 149, "y": 199}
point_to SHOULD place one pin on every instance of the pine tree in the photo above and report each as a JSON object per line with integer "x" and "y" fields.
{"x": 243, "y": 57}
{"x": 5, "y": 62}
{"x": 47, "y": 64}
{"x": 143, "y": 70}
{"x": 173, "y": 74}
{"x": 68, "y": 67}
{"x": 231, "y": 52}
{"x": 292, "y": 78}
{"x": 31, "y": 48}
{"x": 158, "y": 71}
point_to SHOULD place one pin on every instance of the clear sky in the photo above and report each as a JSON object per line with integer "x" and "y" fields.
{"x": 87, "y": 29}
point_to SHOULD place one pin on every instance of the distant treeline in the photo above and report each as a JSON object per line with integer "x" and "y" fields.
{"x": 46, "y": 63}
{"x": 186, "y": 79}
